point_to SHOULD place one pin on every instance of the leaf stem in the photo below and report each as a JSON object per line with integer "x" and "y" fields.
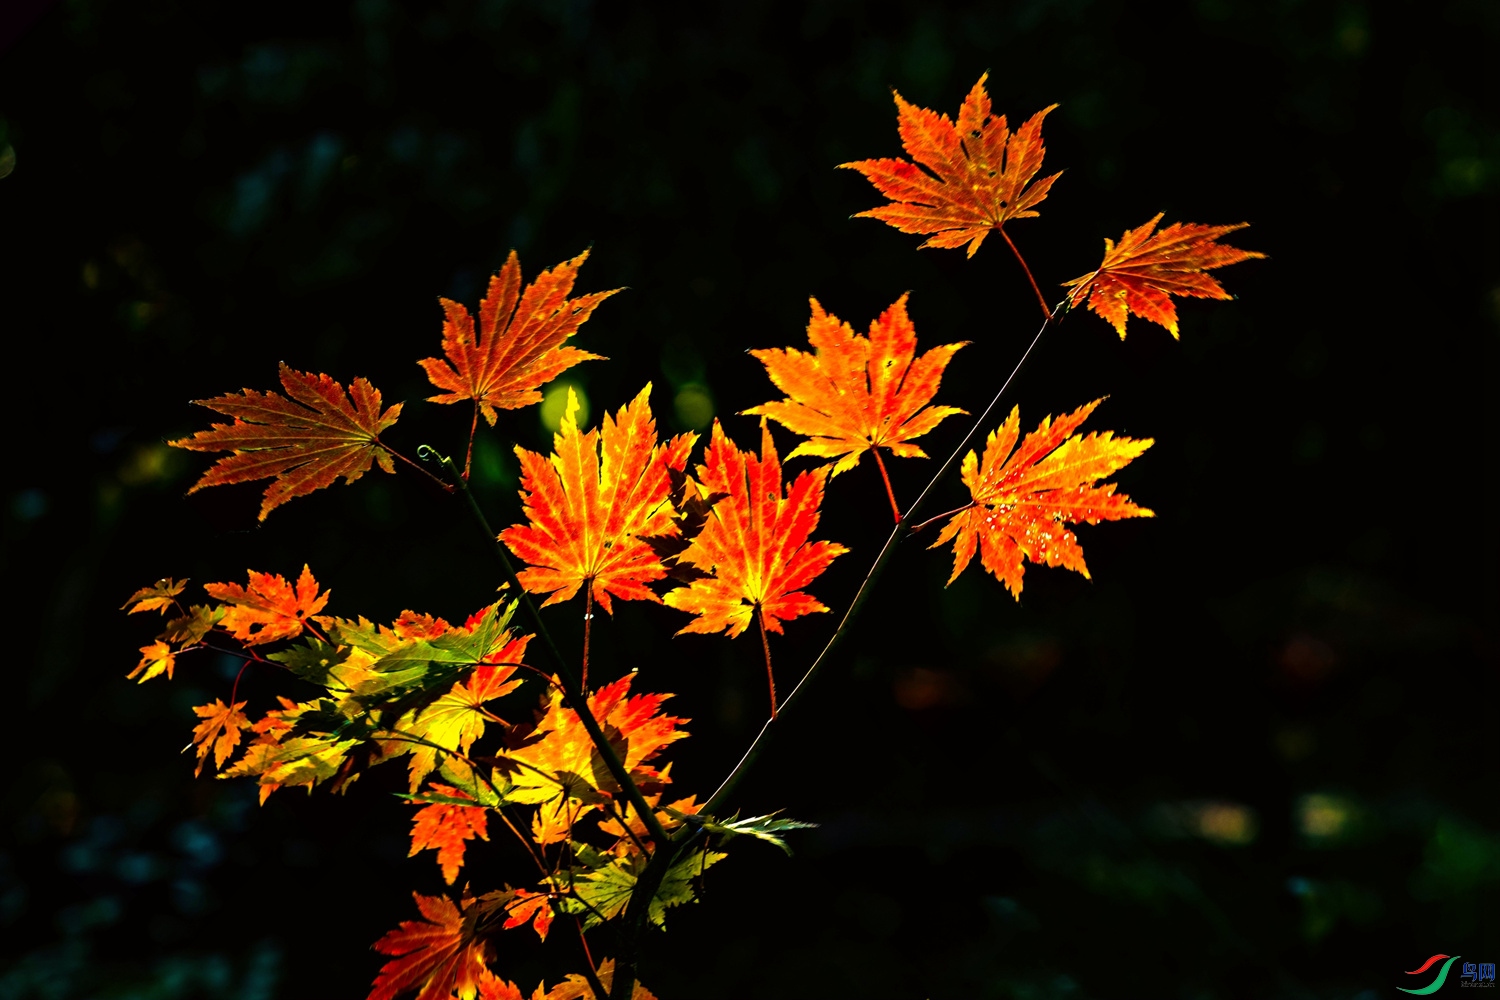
{"x": 765, "y": 644}
{"x": 890, "y": 493}
{"x": 588, "y": 617}
{"x": 570, "y": 684}
{"x": 757, "y": 746}
{"x": 949, "y": 513}
{"x": 1046, "y": 311}
{"x": 473, "y": 429}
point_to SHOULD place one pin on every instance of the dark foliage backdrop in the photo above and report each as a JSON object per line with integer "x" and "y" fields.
{"x": 1254, "y": 757}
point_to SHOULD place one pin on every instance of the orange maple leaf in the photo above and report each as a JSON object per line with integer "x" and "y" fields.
{"x": 446, "y": 827}
{"x": 1142, "y": 272}
{"x": 438, "y": 957}
{"x": 755, "y": 542}
{"x": 1023, "y": 497}
{"x": 527, "y": 905}
{"x": 220, "y": 729}
{"x": 591, "y": 503}
{"x": 519, "y": 346}
{"x": 270, "y": 608}
{"x": 981, "y": 172}
{"x": 306, "y": 442}
{"x": 565, "y": 768}
{"x": 156, "y": 659}
{"x": 854, "y": 394}
{"x": 157, "y": 597}
{"x": 576, "y": 986}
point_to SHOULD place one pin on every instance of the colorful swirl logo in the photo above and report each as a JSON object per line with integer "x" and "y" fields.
{"x": 1437, "y": 983}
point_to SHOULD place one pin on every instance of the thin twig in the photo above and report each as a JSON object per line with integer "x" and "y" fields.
{"x": 947, "y": 513}
{"x": 890, "y": 493}
{"x": 392, "y": 451}
{"x": 730, "y": 783}
{"x": 1046, "y": 311}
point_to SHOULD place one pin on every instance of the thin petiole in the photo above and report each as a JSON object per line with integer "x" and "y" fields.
{"x": 765, "y": 644}
{"x": 1046, "y": 310}
{"x": 890, "y": 493}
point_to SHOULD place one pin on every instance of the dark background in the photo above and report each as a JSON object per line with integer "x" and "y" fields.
{"x": 1253, "y": 757}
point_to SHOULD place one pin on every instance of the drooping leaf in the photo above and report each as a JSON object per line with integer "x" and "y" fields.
{"x": 689, "y": 507}
{"x": 590, "y": 504}
{"x": 1142, "y": 272}
{"x": 305, "y": 441}
{"x": 297, "y": 744}
{"x": 1025, "y": 497}
{"x": 219, "y": 730}
{"x": 270, "y": 608}
{"x": 438, "y": 957}
{"x": 852, "y": 394}
{"x": 446, "y": 828}
{"x": 519, "y": 345}
{"x": 604, "y": 884}
{"x": 979, "y": 174}
{"x": 530, "y": 906}
{"x": 755, "y": 544}
{"x": 767, "y": 828}
{"x": 190, "y": 628}
{"x": 156, "y": 659}
{"x": 157, "y": 597}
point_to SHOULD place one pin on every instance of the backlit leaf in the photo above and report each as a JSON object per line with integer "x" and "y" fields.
{"x": 305, "y": 441}
{"x": 446, "y": 828}
{"x": 219, "y": 731}
{"x": 854, "y": 393}
{"x": 1025, "y": 497}
{"x": 270, "y": 608}
{"x": 590, "y": 504}
{"x": 755, "y": 544}
{"x": 519, "y": 344}
{"x": 156, "y": 659}
{"x": 1142, "y": 273}
{"x": 157, "y": 597}
{"x": 979, "y": 174}
{"x": 438, "y": 957}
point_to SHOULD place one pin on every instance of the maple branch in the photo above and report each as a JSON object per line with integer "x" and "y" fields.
{"x": 730, "y": 783}
{"x": 765, "y": 644}
{"x": 890, "y": 493}
{"x": 570, "y": 684}
{"x": 590, "y": 971}
{"x": 1046, "y": 311}
{"x": 947, "y": 513}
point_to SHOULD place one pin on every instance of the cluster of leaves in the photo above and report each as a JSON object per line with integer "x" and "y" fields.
{"x": 571, "y": 769}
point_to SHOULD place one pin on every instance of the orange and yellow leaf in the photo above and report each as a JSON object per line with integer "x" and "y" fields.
{"x": 219, "y": 730}
{"x": 1025, "y": 497}
{"x": 755, "y": 543}
{"x": 855, "y": 393}
{"x": 157, "y": 597}
{"x": 590, "y": 505}
{"x": 531, "y": 906}
{"x": 156, "y": 659}
{"x": 270, "y": 608}
{"x": 1142, "y": 272}
{"x": 519, "y": 345}
{"x": 446, "y": 828}
{"x": 305, "y": 441}
{"x": 979, "y": 174}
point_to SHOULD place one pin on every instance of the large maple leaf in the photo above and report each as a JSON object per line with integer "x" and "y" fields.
{"x": 981, "y": 173}
{"x": 440, "y": 956}
{"x": 1024, "y": 497}
{"x": 1142, "y": 272}
{"x": 519, "y": 345}
{"x": 755, "y": 544}
{"x": 305, "y": 441}
{"x": 270, "y": 608}
{"x": 854, "y": 394}
{"x": 591, "y": 503}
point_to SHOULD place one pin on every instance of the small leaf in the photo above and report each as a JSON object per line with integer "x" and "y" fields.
{"x": 156, "y": 659}
{"x": 220, "y": 729}
{"x": 270, "y": 608}
{"x": 157, "y": 597}
{"x": 764, "y": 828}
{"x": 446, "y": 827}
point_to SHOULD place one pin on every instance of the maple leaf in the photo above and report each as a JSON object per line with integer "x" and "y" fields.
{"x": 529, "y": 905}
{"x": 288, "y": 749}
{"x": 755, "y": 544}
{"x": 1023, "y": 497}
{"x": 1142, "y": 272}
{"x": 156, "y": 659}
{"x": 157, "y": 597}
{"x": 305, "y": 442}
{"x": 605, "y": 884}
{"x": 981, "y": 172}
{"x": 589, "y": 505}
{"x": 564, "y": 767}
{"x": 219, "y": 730}
{"x": 446, "y": 827}
{"x": 519, "y": 345}
{"x": 270, "y": 608}
{"x": 576, "y": 986}
{"x": 854, "y": 394}
{"x": 438, "y": 956}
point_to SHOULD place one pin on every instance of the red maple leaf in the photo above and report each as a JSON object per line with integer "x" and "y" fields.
{"x": 1142, "y": 272}
{"x": 437, "y": 956}
{"x": 981, "y": 172}
{"x": 447, "y": 827}
{"x": 305, "y": 442}
{"x": 520, "y": 341}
